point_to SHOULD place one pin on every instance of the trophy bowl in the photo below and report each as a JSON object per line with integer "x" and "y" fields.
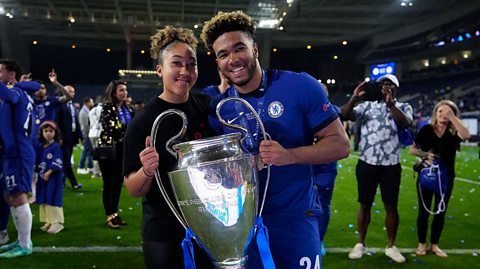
{"x": 216, "y": 191}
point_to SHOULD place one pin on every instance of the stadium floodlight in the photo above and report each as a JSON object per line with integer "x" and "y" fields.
{"x": 268, "y": 23}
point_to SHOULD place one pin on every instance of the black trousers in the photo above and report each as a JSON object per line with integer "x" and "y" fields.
{"x": 438, "y": 220}
{"x": 67, "y": 150}
{"x": 112, "y": 181}
{"x": 159, "y": 255}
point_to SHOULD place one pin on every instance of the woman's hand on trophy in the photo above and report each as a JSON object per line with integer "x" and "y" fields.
{"x": 271, "y": 152}
{"x": 149, "y": 159}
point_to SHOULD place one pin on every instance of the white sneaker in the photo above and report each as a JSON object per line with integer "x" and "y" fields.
{"x": 90, "y": 170}
{"x": 4, "y": 237}
{"x": 55, "y": 228}
{"x": 395, "y": 254}
{"x": 45, "y": 227}
{"x": 82, "y": 171}
{"x": 357, "y": 252}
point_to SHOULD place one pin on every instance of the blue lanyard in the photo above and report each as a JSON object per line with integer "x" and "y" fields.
{"x": 260, "y": 111}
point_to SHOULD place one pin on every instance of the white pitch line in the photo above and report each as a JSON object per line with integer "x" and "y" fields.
{"x": 371, "y": 251}
{"x": 456, "y": 178}
{"x": 467, "y": 180}
{"x": 99, "y": 249}
{"x": 54, "y": 249}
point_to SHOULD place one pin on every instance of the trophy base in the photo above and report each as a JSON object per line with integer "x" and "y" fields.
{"x": 233, "y": 263}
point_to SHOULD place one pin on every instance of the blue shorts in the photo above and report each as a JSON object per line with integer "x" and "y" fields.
{"x": 17, "y": 174}
{"x": 294, "y": 243}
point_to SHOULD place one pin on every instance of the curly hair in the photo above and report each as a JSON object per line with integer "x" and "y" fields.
{"x": 168, "y": 35}
{"x": 225, "y": 22}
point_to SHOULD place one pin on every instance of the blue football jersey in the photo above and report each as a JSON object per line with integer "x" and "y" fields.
{"x": 50, "y": 192}
{"x": 46, "y": 109}
{"x": 211, "y": 90}
{"x": 16, "y": 114}
{"x": 292, "y": 107}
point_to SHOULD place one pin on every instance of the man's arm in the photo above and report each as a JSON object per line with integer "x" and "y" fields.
{"x": 333, "y": 145}
{"x": 398, "y": 115}
{"x": 9, "y": 96}
{"x": 347, "y": 108}
{"x": 66, "y": 95}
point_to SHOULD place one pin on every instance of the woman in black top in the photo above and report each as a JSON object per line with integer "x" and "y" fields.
{"x": 162, "y": 233}
{"x": 114, "y": 119}
{"x": 438, "y": 140}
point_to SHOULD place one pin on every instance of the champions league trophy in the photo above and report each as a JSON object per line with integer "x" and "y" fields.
{"x": 216, "y": 190}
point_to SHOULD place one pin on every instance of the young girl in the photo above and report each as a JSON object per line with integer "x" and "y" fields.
{"x": 49, "y": 165}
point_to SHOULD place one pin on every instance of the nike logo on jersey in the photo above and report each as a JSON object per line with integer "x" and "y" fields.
{"x": 234, "y": 119}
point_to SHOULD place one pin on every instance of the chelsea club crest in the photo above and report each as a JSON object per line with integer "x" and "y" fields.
{"x": 275, "y": 109}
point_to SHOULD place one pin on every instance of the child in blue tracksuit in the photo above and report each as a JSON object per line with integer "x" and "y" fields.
{"x": 49, "y": 165}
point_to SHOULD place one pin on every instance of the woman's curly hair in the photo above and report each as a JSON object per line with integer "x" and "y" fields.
{"x": 168, "y": 35}
{"x": 225, "y": 22}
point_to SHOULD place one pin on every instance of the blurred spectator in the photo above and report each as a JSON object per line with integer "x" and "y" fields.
{"x": 69, "y": 125}
{"x": 438, "y": 141}
{"x": 94, "y": 133}
{"x": 379, "y": 162}
{"x": 114, "y": 119}
{"x": 87, "y": 151}
{"x": 214, "y": 90}
{"x": 323, "y": 176}
{"x": 138, "y": 105}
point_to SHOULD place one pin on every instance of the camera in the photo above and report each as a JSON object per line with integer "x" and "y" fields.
{"x": 373, "y": 91}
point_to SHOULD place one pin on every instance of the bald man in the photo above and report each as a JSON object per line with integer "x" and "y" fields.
{"x": 69, "y": 125}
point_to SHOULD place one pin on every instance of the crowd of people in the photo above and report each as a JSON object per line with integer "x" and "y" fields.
{"x": 307, "y": 139}
{"x": 38, "y": 136}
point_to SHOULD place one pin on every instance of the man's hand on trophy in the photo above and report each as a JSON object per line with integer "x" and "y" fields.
{"x": 149, "y": 159}
{"x": 271, "y": 152}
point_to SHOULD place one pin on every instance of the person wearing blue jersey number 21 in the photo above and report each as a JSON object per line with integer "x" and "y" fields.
{"x": 288, "y": 105}
{"x": 18, "y": 156}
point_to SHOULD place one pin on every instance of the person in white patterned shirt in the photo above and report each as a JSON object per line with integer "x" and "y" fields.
{"x": 379, "y": 162}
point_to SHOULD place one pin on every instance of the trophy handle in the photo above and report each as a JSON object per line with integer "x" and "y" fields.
{"x": 153, "y": 136}
{"x": 156, "y": 123}
{"x": 244, "y": 129}
{"x": 237, "y": 126}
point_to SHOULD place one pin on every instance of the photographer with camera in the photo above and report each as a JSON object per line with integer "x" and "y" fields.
{"x": 379, "y": 164}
